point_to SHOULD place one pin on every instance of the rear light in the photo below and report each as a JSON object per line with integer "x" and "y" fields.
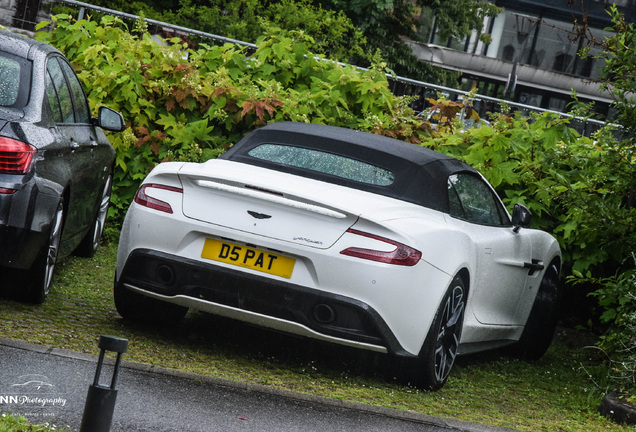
{"x": 15, "y": 156}
{"x": 6, "y": 191}
{"x": 142, "y": 198}
{"x": 401, "y": 255}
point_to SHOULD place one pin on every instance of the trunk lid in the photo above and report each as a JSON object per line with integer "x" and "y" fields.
{"x": 272, "y": 204}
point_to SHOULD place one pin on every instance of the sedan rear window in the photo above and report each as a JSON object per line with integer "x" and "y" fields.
{"x": 13, "y": 72}
{"x": 324, "y": 162}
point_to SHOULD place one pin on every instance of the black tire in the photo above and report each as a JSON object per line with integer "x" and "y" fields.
{"x": 39, "y": 277}
{"x": 431, "y": 368}
{"x": 90, "y": 243}
{"x": 146, "y": 310}
{"x": 542, "y": 322}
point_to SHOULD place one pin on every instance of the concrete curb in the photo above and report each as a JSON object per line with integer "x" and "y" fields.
{"x": 251, "y": 387}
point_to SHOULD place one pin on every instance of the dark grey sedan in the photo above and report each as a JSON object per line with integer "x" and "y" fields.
{"x": 56, "y": 165}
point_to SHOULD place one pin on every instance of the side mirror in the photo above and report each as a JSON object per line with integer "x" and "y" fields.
{"x": 110, "y": 120}
{"x": 521, "y": 217}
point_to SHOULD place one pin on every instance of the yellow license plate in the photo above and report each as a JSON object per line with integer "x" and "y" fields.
{"x": 248, "y": 257}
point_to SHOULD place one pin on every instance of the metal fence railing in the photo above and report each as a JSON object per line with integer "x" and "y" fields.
{"x": 400, "y": 85}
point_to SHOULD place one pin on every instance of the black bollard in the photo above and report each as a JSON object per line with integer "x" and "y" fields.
{"x": 100, "y": 401}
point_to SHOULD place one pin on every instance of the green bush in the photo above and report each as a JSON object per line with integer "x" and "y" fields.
{"x": 613, "y": 211}
{"x": 616, "y": 295}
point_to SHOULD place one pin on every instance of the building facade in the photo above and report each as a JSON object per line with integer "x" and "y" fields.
{"x": 532, "y": 58}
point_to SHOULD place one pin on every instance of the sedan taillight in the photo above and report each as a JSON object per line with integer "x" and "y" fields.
{"x": 142, "y": 198}
{"x": 401, "y": 255}
{"x": 15, "y": 156}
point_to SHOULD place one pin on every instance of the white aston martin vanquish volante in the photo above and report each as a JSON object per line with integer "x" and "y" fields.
{"x": 343, "y": 236}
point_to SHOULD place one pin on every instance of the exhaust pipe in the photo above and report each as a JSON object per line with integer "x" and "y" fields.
{"x": 324, "y": 314}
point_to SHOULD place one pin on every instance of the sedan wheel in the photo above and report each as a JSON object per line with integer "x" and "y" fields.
{"x": 40, "y": 276}
{"x": 90, "y": 242}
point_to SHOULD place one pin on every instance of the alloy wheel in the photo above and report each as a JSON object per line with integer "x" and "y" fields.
{"x": 53, "y": 248}
{"x": 102, "y": 213}
{"x": 449, "y": 333}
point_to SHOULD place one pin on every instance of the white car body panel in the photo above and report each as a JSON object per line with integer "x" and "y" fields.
{"x": 394, "y": 295}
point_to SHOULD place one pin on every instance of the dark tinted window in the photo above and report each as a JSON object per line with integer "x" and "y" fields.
{"x": 59, "y": 93}
{"x": 324, "y": 162}
{"x": 471, "y": 199}
{"x": 15, "y": 80}
{"x": 51, "y": 95}
{"x": 79, "y": 99}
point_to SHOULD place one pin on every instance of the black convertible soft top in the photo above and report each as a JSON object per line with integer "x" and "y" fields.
{"x": 421, "y": 174}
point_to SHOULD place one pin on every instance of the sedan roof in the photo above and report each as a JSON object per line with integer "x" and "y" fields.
{"x": 20, "y": 45}
{"x": 420, "y": 174}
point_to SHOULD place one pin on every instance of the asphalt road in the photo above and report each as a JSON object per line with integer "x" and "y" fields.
{"x": 49, "y": 385}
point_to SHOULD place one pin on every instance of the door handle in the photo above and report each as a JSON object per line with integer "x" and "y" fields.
{"x": 94, "y": 144}
{"x": 74, "y": 145}
{"x": 535, "y": 265}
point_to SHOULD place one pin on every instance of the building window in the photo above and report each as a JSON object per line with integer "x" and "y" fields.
{"x": 26, "y": 12}
{"x": 508, "y": 53}
{"x": 562, "y": 62}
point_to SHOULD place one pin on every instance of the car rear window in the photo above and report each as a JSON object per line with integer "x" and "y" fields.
{"x": 15, "y": 76}
{"x": 324, "y": 162}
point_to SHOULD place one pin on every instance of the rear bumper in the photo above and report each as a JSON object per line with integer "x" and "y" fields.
{"x": 20, "y": 247}
{"x": 25, "y": 217}
{"x": 276, "y": 304}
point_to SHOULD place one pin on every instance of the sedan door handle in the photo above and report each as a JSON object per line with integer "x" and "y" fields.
{"x": 74, "y": 145}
